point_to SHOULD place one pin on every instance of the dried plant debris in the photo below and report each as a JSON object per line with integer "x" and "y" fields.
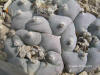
{"x": 3, "y": 55}
{"x": 44, "y": 7}
{"x": 83, "y": 41}
{"x": 92, "y": 6}
{"x": 3, "y": 1}
{"x": 3, "y": 31}
{"x": 33, "y": 53}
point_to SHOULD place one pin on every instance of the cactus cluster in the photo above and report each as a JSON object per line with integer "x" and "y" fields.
{"x": 49, "y": 36}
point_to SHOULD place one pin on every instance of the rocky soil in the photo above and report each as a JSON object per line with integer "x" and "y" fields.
{"x": 92, "y": 6}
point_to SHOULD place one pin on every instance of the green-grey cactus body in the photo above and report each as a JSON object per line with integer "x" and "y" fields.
{"x": 48, "y": 34}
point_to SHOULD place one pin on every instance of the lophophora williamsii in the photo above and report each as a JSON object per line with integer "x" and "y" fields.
{"x": 56, "y": 38}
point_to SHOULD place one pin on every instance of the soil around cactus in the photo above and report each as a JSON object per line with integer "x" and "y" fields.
{"x": 92, "y": 6}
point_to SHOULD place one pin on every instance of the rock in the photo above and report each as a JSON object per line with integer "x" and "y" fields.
{"x": 83, "y": 73}
{"x": 97, "y": 73}
{"x": 67, "y": 74}
{"x": 3, "y": 30}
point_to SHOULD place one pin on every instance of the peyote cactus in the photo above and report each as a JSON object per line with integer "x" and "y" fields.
{"x": 94, "y": 28}
{"x": 23, "y": 5}
{"x": 75, "y": 65}
{"x": 82, "y": 21}
{"x": 48, "y": 34}
{"x": 93, "y": 62}
{"x": 10, "y": 69}
{"x": 21, "y": 18}
{"x": 68, "y": 40}
{"x": 28, "y": 37}
{"x": 38, "y": 24}
{"x": 71, "y": 9}
{"x": 58, "y": 23}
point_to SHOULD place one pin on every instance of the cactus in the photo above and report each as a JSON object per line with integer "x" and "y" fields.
{"x": 22, "y": 63}
{"x": 59, "y": 23}
{"x": 70, "y": 8}
{"x": 29, "y": 38}
{"x": 93, "y": 61}
{"x": 32, "y": 68}
{"x": 19, "y": 21}
{"x": 68, "y": 40}
{"x": 10, "y": 47}
{"x": 51, "y": 42}
{"x": 51, "y": 34}
{"x": 39, "y": 24}
{"x": 10, "y": 69}
{"x": 82, "y": 22}
{"x": 94, "y": 28}
{"x": 75, "y": 65}
{"x": 23, "y": 5}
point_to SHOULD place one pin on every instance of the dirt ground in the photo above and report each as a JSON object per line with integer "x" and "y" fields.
{"x": 92, "y": 6}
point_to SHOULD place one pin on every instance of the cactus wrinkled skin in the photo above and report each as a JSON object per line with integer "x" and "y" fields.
{"x": 49, "y": 36}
